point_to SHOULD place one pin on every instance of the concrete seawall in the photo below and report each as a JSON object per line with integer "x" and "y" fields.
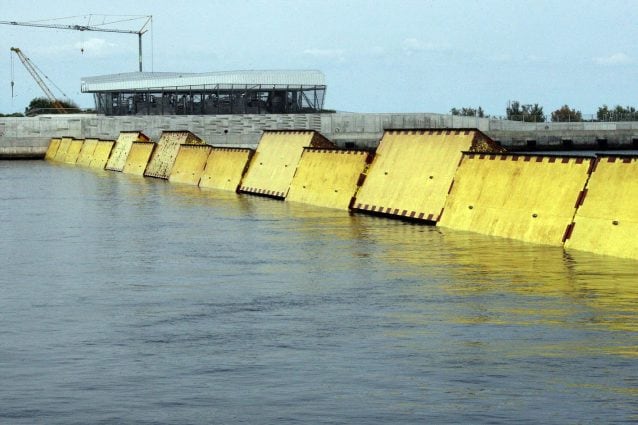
{"x": 29, "y": 137}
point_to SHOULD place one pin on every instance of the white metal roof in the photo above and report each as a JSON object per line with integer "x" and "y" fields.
{"x": 154, "y": 80}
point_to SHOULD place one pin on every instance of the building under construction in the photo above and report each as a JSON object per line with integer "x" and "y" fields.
{"x": 236, "y": 92}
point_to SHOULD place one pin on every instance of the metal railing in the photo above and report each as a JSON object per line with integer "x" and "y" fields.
{"x": 43, "y": 111}
{"x": 607, "y": 117}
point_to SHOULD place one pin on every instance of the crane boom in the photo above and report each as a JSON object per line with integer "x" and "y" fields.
{"x": 72, "y": 27}
{"x": 139, "y": 33}
{"x": 38, "y": 79}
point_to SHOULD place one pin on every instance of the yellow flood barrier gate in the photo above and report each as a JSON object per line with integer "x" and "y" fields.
{"x": 60, "y": 154}
{"x": 412, "y": 171}
{"x": 138, "y": 157}
{"x": 163, "y": 158}
{"x": 328, "y": 177}
{"x": 117, "y": 160}
{"x": 101, "y": 154}
{"x": 225, "y": 168}
{"x": 273, "y": 166}
{"x": 532, "y": 198}
{"x": 54, "y": 144}
{"x": 189, "y": 164}
{"x": 73, "y": 151}
{"x": 86, "y": 154}
{"x": 607, "y": 219}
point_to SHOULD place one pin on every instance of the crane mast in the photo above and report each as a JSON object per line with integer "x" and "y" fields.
{"x": 38, "y": 79}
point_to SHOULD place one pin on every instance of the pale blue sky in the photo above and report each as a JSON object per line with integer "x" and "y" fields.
{"x": 378, "y": 56}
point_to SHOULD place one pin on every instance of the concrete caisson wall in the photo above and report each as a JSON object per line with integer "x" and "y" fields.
{"x": 138, "y": 157}
{"x": 31, "y": 135}
{"x": 348, "y": 129}
{"x": 607, "y": 218}
{"x": 274, "y": 163}
{"x": 588, "y": 135}
{"x": 532, "y": 198}
{"x": 328, "y": 177}
{"x": 238, "y": 130}
{"x": 28, "y": 137}
{"x": 20, "y": 137}
{"x": 165, "y": 152}
{"x": 225, "y": 168}
{"x": 189, "y": 164}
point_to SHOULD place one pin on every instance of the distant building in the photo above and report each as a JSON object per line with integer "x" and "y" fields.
{"x": 236, "y": 92}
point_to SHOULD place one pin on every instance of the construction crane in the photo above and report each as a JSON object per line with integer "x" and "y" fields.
{"x": 140, "y": 32}
{"x": 35, "y": 73}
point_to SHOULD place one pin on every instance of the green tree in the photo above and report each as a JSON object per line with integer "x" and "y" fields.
{"x": 468, "y": 112}
{"x": 566, "y": 114}
{"x": 528, "y": 113}
{"x": 42, "y": 105}
{"x": 619, "y": 113}
{"x": 603, "y": 113}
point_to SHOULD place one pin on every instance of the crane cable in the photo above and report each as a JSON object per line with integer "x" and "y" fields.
{"x": 41, "y": 73}
{"x": 12, "y": 75}
{"x": 152, "y": 46}
{"x": 45, "y": 76}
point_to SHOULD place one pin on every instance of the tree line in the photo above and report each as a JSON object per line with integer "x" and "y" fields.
{"x": 42, "y": 105}
{"x": 45, "y": 106}
{"x": 516, "y": 111}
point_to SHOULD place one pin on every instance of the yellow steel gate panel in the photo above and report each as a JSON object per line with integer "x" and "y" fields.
{"x": 60, "y": 154}
{"x": 272, "y": 167}
{"x": 412, "y": 171}
{"x": 163, "y": 158}
{"x": 225, "y": 168}
{"x": 189, "y": 164}
{"x": 73, "y": 152}
{"x": 328, "y": 177}
{"x": 138, "y": 158}
{"x": 531, "y": 198}
{"x": 607, "y": 219}
{"x": 122, "y": 147}
{"x": 101, "y": 154}
{"x": 86, "y": 154}
{"x": 54, "y": 144}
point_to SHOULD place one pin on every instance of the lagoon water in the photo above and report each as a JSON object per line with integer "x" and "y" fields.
{"x": 132, "y": 300}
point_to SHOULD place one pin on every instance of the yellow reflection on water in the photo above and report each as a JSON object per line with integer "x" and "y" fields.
{"x": 543, "y": 286}
{"x": 495, "y": 281}
{"x": 601, "y": 290}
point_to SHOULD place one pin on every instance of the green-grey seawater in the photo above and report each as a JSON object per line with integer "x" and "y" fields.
{"x": 132, "y": 300}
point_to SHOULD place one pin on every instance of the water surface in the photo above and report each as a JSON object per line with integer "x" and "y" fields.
{"x": 132, "y": 300}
